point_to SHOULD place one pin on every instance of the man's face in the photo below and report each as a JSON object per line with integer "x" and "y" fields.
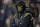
{"x": 3, "y": 11}
{"x": 19, "y": 8}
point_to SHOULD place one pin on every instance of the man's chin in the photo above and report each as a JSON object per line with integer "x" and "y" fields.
{"x": 19, "y": 11}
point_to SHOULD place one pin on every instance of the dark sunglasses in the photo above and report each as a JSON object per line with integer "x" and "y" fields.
{"x": 19, "y": 6}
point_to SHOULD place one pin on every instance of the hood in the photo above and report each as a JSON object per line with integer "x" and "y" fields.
{"x": 22, "y": 3}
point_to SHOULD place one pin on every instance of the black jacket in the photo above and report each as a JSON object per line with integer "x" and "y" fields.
{"x": 25, "y": 20}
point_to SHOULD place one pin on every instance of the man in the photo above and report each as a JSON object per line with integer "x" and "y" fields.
{"x": 23, "y": 17}
{"x": 10, "y": 9}
{"x": 9, "y": 13}
{"x": 2, "y": 18}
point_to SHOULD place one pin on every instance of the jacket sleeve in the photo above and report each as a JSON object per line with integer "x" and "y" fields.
{"x": 26, "y": 21}
{"x": 31, "y": 24}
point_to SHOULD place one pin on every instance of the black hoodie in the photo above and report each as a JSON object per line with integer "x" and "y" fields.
{"x": 22, "y": 3}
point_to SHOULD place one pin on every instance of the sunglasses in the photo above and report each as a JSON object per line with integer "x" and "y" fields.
{"x": 19, "y": 6}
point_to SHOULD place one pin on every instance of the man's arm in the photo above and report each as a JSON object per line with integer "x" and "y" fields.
{"x": 26, "y": 21}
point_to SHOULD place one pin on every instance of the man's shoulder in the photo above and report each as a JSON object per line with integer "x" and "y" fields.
{"x": 29, "y": 10}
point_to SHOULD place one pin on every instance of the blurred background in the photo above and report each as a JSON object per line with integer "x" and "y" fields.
{"x": 8, "y": 9}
